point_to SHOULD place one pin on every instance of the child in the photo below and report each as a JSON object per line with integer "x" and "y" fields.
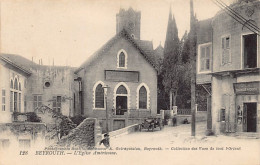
{"x": 105, "y": 141}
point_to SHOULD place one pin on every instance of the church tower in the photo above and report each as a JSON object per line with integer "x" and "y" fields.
{"x": 130, "y": 21}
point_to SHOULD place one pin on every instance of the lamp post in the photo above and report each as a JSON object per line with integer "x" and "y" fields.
{"x": 105, "y": 87}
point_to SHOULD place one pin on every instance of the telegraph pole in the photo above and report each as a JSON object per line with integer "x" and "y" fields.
{"x": 193, "y": 68}
{"x": 105, "y": 87}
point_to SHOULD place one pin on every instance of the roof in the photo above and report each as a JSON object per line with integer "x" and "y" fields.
{"x": 27, "y": 66}
{"x": 204, "y": 31}
{"x": 159, "y": 52}
{"x": 18, "y": 62}
{"x": 145, "y": 48}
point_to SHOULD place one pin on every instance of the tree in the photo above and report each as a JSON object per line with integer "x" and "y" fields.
{"x": 172, "y": 68}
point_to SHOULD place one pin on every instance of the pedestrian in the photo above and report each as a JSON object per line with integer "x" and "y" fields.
{"x": 105, "y": 141}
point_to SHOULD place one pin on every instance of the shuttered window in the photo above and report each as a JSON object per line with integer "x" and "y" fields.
{"x": 3, "y": 100}
{"x": 57, "y": 103}
{"x": 11, "y": 101}
{"x": 37, "y": 101}
{"x": 226, "y": 58}
{"x": 205, "y": 56}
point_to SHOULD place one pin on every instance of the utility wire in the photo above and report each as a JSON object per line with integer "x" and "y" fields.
{"x": 238, "y": 15}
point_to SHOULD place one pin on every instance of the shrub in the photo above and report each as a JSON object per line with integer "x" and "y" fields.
{"x": 32, "y": 117}
{"x": 77, "y": 119}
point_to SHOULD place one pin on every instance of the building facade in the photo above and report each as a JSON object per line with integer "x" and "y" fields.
{"x": 118, "y": 83}
{"x": 228, "y": 59}
{"x": 120, "y": 79}
{"x": 28, "y": 88}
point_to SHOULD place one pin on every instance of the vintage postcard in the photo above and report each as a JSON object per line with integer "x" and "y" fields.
{"x": 130, "y": 82}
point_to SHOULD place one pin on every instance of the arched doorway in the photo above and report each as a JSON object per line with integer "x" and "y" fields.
{"x": 121, "y": 100}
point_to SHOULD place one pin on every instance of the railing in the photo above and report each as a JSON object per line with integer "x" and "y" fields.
{"x": 184, "y": 112}
{"x": 132, "y": 113}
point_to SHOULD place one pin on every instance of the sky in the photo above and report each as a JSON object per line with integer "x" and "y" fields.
{"x": 69, "y": 31}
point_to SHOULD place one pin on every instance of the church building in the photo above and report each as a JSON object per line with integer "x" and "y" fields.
{"x": 119, "y": 81}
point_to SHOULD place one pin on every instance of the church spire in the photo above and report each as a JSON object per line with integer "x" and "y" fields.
{"x": 170, "y": 12}
{"x": 192, "y": 17}
{"x": 171, "y": 36}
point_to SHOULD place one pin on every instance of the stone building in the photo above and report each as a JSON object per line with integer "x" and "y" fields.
{"x": 228, "y": 60}
{"x": 118, "y": 82}
{"x": 126, "y": 67}
{"x": 28, "y": 87}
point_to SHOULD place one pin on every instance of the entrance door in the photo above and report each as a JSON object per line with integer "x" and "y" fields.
{"x": 249, "y": 117}
{"x": 121, "y": 105}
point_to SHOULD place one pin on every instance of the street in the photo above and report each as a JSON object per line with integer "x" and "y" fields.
{"x": 176, "y": 143}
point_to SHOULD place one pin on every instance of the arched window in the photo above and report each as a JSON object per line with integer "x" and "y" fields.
{"x": 122, "y": 60}
{"x": 20, "y": 87}
{"x": 99, "y": 97}
{"x": 12, "y": 84}
{"x": 121, "y": 90}
{"x": 121, "y": 98}
{"x": 142, "y": 98}
{"x": 16, "y": 84}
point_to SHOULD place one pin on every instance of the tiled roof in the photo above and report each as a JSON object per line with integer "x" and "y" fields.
{"x": 158, "y": 52}
{"x": 18, "y": 61}
{"x": 27, "y": 65}
{"x": 145, "y": 48}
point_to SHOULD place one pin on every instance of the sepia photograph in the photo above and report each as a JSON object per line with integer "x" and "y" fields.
{"x": 130, "y": 82}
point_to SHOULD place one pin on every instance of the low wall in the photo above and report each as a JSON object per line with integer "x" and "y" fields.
{"x": 200, "y": 116}
{"x": 124, "y": 131}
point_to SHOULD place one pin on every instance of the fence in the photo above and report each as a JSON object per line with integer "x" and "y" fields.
{"x": 184, "y": 112}
{"x": 133, "y": 113}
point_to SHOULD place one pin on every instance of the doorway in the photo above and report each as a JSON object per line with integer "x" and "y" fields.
{"x": 121, "y": 105}
{"x": 121, "y": 100}
{"x": 249, "y": 117}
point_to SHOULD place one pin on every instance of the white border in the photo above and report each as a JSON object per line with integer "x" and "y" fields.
{"x": 94, "y": 96}
{"x": 122, "y": 50}
{"x": 148, "y": 95}
{"x": 128, "y": 94}
{"x": 198, "y": 63}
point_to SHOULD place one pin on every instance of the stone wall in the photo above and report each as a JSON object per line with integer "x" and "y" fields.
{"x": 85, "y": 135}
{"x": 60, "y": 80}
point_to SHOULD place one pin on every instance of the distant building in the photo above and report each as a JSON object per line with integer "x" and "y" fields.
{"x": 29, "y": 87}
{"x": 228, "y": 60}
{"x": 127, "y": 66}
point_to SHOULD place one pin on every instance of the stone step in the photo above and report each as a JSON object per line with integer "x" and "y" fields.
{"x": 248, "y": 135}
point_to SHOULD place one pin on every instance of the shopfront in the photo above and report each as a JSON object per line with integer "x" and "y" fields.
{"x": 247, "y": 106}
